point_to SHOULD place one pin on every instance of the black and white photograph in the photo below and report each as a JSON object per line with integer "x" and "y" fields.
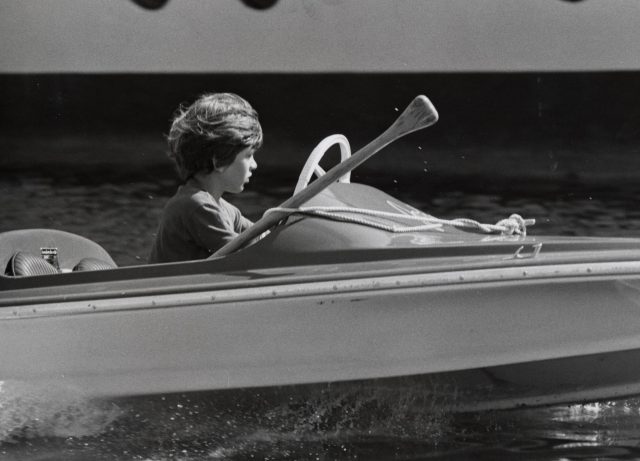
{"x": 323, "y": 230}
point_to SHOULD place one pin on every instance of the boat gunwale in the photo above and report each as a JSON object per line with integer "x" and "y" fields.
{"x": 240, "y": 292}
{"x": 235, "y": 272}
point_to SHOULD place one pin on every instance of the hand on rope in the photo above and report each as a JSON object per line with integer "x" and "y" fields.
{"x": 515, "y": 224}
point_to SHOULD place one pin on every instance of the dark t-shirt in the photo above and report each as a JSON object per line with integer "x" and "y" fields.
{"x": 194, "y": 225}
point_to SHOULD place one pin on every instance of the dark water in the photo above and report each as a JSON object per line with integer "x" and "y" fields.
{"x": 121, "y": 214}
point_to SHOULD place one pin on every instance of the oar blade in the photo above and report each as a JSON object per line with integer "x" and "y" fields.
{"x": 420, "y": 113}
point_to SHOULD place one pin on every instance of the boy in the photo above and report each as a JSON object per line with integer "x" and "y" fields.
{"x": 212, "y": 143}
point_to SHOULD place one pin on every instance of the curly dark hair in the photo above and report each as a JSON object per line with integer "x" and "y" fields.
{"x": 211, "y": 132}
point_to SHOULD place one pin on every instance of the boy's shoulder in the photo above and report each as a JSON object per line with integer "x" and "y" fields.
{"x": 189, "y": 198}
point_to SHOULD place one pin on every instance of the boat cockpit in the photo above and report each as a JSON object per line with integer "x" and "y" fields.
{"x": 48, "y": 251}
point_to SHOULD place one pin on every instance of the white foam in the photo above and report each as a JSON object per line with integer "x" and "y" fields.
{"x": 46, "y": 410}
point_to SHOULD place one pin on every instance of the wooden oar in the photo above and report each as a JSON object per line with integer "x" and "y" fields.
{"x": 419, "y": 114}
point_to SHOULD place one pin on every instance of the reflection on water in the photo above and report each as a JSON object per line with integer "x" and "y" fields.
{"x": 121, "y": 215}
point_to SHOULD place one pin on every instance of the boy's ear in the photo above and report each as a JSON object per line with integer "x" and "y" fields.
{"x": 219, "y": 169}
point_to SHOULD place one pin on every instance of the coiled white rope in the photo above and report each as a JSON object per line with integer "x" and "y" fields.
{"x": 513, "y": 225}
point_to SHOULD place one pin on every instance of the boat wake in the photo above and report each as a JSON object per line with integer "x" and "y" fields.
{"x": 59, "y": 422}
{"x": 340, "y": 422}
{"x": 29, "y": 411}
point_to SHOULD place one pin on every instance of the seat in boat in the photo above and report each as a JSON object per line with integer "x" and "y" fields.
{"x": 39, "y": 251}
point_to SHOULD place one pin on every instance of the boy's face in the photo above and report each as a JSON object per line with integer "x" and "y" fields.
{"x": 234, "y": 176}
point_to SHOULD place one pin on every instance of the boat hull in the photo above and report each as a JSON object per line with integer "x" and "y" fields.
{"x": 572, "y": 380}
{"x": 491, "y": 337}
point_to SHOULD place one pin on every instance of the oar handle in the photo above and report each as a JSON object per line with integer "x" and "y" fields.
{"x": 419, "y": 114}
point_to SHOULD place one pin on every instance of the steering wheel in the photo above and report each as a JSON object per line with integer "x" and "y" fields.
{"x": 310, "y": 167}
{"x": 312, "y": 164}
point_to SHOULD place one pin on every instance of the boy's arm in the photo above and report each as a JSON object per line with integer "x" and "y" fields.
{"x": 240, "y": 223}
{"x": 210, "y": 229}
{"x": 243, "y": 224}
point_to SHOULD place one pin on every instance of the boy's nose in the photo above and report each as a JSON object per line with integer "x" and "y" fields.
{"x": 254, "y": 164}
